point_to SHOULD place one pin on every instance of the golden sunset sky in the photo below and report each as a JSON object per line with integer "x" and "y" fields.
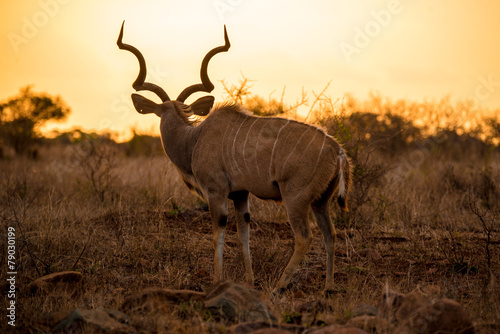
{"x": 401, "y": 48}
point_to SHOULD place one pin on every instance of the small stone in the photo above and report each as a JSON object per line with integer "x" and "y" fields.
{"x": 237, "y": 303}
{"x": 370, "y": 323}
{"x": 396, "y": 307}
{"x": 264, "y": 327}
{"x": 411, "y": 302}
{"x": 390, "y": 303}
{"x": 443, "y": 316}
{"x": 334, "y": 329}
{"x": 271, "y": 331}
{"x": 93, "y": 321}
{"x": 159, "y": 298}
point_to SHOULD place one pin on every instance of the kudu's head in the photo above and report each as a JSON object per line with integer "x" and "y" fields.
{"x": 200, "y": 107}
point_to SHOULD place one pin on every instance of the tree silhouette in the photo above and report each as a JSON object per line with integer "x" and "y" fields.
{"x": 22, "y": 116}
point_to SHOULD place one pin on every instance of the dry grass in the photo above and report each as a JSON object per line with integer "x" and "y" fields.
{"x": 147, "y": 230}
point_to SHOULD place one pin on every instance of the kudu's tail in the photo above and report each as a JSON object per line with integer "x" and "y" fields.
{"x": 344, "y": 180}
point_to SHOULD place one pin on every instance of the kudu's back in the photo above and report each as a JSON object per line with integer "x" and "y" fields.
{"x": 264, "y": 155}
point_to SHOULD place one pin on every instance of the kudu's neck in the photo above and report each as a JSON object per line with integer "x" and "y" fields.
{"x": 178, "y": 139}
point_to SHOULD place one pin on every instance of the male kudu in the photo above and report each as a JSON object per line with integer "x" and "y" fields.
{"x": 233, "y": 153}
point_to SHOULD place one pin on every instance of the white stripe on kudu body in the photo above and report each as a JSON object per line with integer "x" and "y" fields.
{"x": 245, "y": 144}
{"x": 274, "y": 147}
{"x": 284, "y": 163}
{"x": 234, "y": 144}
{"x": 224, "y": 155}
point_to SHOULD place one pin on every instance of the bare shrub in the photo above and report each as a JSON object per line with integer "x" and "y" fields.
{"x": 20, "y": 192}
{"x": 241, "y": 94}
{"x": 96, "y": 158}
{"x": 487, "y": 221}
{"x": 367, "y": 170}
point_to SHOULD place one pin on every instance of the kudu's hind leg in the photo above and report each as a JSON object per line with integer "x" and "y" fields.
{"x": 297, "y": 214}
{"x": 321, "y": 209}
{"x": 243, "y": 224}
{"x": 218, "y": 211}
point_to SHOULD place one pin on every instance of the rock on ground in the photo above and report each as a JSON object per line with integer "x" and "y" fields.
{"x": 371, "y": 324}
{"x": 338, "y": 330}
{"x": 235, "y": 302}
{"x": 159, "y": 299}
{"x": 443, "y": 316}
{"x": 227, "y": 301}
{"x": 264, "y": 328}
{"x": 94, "y": 321}
{"x": 397, "y": 307}
{"x": 414, "y": 313}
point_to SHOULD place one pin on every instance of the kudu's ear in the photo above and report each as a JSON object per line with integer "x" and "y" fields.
{"x": 202, "y": 106}
{"x": 145, "y": 106}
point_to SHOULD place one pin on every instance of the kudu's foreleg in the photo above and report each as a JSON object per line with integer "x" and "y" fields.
{"x": 218, "y": 211}
{"x": 243, "y": 224}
